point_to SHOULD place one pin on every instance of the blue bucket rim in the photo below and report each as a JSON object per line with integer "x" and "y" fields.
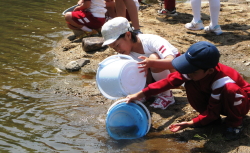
{"x": 135, "y": 113}
{"x": 141, "y": 106}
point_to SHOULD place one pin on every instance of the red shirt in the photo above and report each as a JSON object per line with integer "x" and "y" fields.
{"x": 210, "y": 86}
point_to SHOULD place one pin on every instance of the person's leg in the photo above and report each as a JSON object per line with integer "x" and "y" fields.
{"x": 235, "y": 107}
{"x": 169, "y": 8}
{"x": 159, "y": 76}
{"x": 70, "y": 26}
{"x": 166, "y": 98}
{"x": 196, "y": 23}
{"x": 235, "y": 104}
{"x": 72, "y": 20}
{"x": 214, "y": 6}
{"x": 110, "y": 6}
{"x": 71, "y": 23}
{"x": 196, "y": 9}
{"x": 197, "y": 99}
{"x": 133, "y": 13}
{"x": 132, "y": 10}
{"x": 120, "y": 8}
{"x": 214, "y": 16}
{"x": 169, "y": 5}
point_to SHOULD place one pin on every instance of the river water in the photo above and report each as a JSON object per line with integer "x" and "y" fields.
{"x": 32, "y": 118}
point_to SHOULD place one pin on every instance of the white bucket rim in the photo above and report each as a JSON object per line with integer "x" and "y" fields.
{"x": 67, "y": 10}
{"x": 121, "y": 56}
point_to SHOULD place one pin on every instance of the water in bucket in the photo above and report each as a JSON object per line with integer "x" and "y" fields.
{"x": 125, "y": 132}
{"x": 127, "y": 121}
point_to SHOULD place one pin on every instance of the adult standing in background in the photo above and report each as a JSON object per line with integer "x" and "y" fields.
{"x": 196, "y": 23}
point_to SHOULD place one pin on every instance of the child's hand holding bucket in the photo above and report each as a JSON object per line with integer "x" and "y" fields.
{"x": 137, "y": 96}
{"x": 144, "y": 65}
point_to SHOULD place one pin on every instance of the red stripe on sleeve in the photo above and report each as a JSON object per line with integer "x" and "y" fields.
{"x": 161, "y": 47}
{"x": 163, "y": 50}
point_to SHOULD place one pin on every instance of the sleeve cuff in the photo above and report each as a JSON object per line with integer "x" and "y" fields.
{"x": 146, "y": 92}
{"x": 196, "y": 121}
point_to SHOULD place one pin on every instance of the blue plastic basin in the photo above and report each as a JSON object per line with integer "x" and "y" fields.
{"x": 127, "y": 121}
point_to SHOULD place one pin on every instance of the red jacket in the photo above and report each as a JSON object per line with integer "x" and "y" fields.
{"x": 210, "y": 86}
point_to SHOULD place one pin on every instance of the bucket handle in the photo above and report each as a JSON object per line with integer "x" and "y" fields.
{"x": 115, "y": 57}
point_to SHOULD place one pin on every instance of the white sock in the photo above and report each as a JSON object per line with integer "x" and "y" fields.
{"x": 196, "y": 8}
{"x": 214, "y": 6}
{"x": 162, "y": 75}
{"x": 84, "y": 28}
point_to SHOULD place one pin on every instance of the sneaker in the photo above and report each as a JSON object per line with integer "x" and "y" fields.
{"x": 163, "y": 101}
{"x": 166, "y": 12}
{"x": 217, "y": 30}
{"x": 138, "y": 31}
{"x": 233, "y": 133}
{"x": 195, "y": 26}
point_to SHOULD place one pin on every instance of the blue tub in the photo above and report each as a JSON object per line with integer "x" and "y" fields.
{"x": 127, "y": 121}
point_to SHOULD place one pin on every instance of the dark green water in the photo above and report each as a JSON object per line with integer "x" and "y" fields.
{"x": 32, "y": 118}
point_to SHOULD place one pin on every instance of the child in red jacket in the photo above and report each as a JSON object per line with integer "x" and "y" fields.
{"x": 213, "y": 89}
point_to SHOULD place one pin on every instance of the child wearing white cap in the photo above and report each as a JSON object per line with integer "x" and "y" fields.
{"x": 153, "y": 52}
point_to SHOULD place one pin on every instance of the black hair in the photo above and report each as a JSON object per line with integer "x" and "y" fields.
{"x": 205, "y": 69}
{"x": 133, "y": 36}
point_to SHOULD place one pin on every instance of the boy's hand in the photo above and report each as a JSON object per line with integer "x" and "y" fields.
{"x": 180, "y": 126}
{"x": 136, "y": 96}
{"x": 143, "y": 64}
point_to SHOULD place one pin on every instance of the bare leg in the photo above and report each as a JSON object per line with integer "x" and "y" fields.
{"x": 120, "y": 8}
{"x": 110, "y": 6}
{"x": 73, "y": 25}
{"x": 132, "y": 11}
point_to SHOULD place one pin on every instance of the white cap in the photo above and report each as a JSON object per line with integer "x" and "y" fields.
{"x": 112, "y": 29}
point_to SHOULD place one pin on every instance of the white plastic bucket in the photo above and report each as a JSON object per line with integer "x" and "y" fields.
{"x": 128, "y": 121}
{"x": 118, "y": 76}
